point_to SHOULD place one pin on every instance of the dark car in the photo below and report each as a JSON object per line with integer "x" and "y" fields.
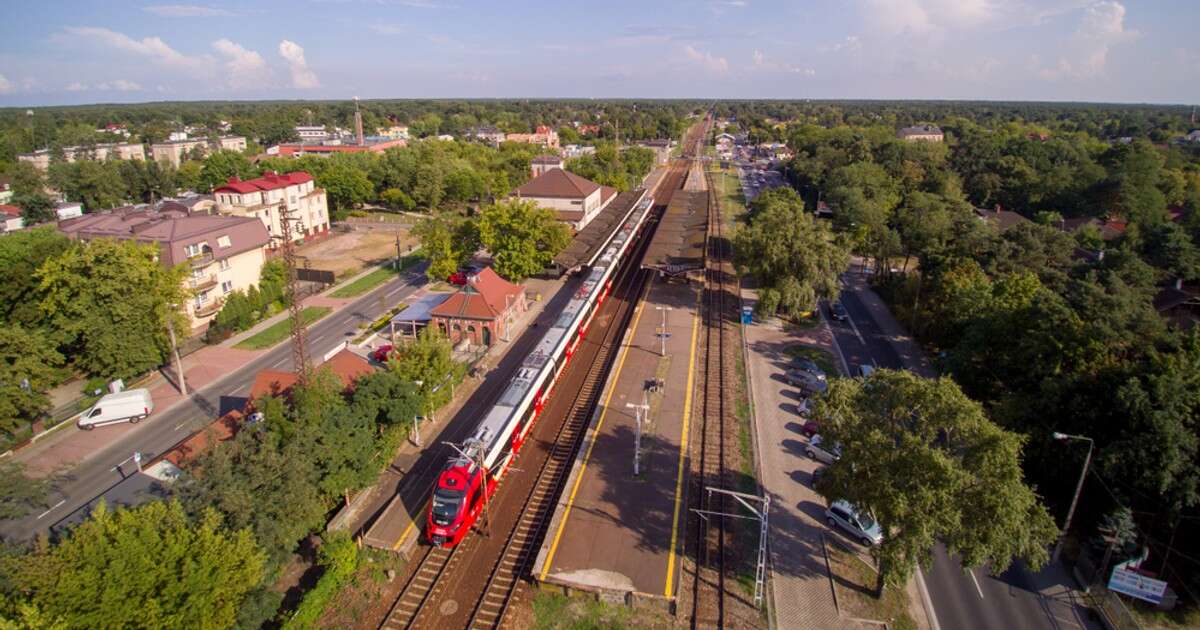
{"x": 811, "y": 427}
{"x": 838, "y": 312}
{"x": 807, "y": 365}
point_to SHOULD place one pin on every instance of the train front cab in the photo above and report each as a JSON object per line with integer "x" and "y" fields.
{"x": 457, "y": 500}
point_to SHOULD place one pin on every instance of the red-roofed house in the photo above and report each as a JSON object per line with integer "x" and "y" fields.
{"x": 11, "y": 215}
{"x": 268, "y": 197}
{"x": 480, "y": 310}
{"x": 573, "y": 199}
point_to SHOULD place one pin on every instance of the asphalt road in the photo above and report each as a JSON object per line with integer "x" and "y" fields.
{"x": 961, "y": 599}
{"x": 97, "y": 474}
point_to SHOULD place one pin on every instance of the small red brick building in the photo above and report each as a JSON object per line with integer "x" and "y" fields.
{"x": 481, "y": 310}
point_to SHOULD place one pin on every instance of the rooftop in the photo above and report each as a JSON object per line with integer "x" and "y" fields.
{"x": 485, "y": 296}
{"x": 172, "y": 227}
{"x": 269, "y": 181}
{"x": 557, "y": 182}
{"x": 588, "y": 242}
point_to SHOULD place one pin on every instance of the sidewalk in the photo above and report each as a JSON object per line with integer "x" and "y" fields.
{"x": 67, "y": 446}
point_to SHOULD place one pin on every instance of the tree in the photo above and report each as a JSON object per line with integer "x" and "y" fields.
{"x": 429, "y": 360}
{"x": 522, "y": 237}
{"x": 346, "y": 184}
{"x": 388, "y": 398}
{"x": 222, "y": 165}
{"x": 29, "y": 366}
{"x": 448, "y": 241}
{"x": 397, "y": 199}
{"x": 35, "y": 207}
{"x": 106, "y": 303}
{"x": 97, "y": 185}
{"x": 20, "y": 493}
{"x": 144, "y": 567}
{"x": 928, "y": 464}
{"x": 21, "y": 254}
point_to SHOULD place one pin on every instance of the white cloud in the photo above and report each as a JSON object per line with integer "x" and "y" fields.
{"x": 119, "y": 85}
{"x": 153, "y": 48}
{"x": 717, "y": 65}
{"x": 1101, "y": 26}
{"x": 302, "y": 75}
{"x": 6, "y": 86}
{"x": 76, "y": 86}
{"x": 243, "y": 67}
{"x": 387, "y": 29}
{"x": 186, "y": 10}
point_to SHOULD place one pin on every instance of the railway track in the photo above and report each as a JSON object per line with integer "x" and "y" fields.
{"x": 717, "y": 434}
{"x": 484, "y": 571}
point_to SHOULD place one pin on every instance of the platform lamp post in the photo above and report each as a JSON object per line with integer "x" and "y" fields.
{"x": 662, "y": 333}
{"x": 638, "y": 410}
{"x": 1064, "y": 437}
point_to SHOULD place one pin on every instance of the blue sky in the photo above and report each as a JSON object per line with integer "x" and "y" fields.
{"x": 65, "y": 52}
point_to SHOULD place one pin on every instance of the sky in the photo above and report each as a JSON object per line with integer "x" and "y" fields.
{"x": 55, "y": 52}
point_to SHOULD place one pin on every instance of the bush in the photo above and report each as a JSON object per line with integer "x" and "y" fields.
{"x": 242, "y": 310}
{"x": 339, "y": 557}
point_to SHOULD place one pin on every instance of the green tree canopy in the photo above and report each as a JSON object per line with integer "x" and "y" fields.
{"x": 146, "y": 567}
{"x": 222, "y": 165}
{"x": 522, "y": 237}
{"x": 29, "y": 367}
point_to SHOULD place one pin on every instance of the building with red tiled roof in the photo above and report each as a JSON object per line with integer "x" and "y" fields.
{"x": 573, "y": 199}
{"x": 11, "y": 215}
{"x": 223, "y": 254}
{"x": 271, "y": 197}
{"x": 482, "y": 309}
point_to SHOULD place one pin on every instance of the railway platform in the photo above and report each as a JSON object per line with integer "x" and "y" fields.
{"x": 614, "y": 533}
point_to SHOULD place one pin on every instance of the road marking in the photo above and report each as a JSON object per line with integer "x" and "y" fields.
{"x": 972, "y": 574}
{"x": 853, "y": 326}
{"x": 683, "y": 436}
{"x": 52, "y": 508}
{"x": 180, "y": 425}
{"x": 562, "y": 525}
{"x": 279, "y": 362}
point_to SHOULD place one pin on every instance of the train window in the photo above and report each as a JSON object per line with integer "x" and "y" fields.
{"x": 446, "y": 504}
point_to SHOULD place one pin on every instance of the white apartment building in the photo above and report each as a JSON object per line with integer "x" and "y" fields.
{"x": 311, "y": 133}
{"x": 270, "y": 196}
{"x": 573, "y": 199}
{"x": 173, "y": 152}
{"x": 103, "y": 151}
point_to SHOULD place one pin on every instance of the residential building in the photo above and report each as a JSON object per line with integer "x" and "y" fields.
{"x": 1179, "y": 304}
{"x": 543, "y": 163}
{"x": 11, "y": 216}
{"x": 68, "y": 209}
{"x": 177, "y": 136}
{"x": 174, "y": 152}
{"x": 269, "y": 197}
{"x": 724, "y": 144}
{"x": 373, "y": 144}
{"x": 395, "y": 132}
{"x": 661, "y": 148}
{"x": 573, "y": 199}
{"x": 223, "y": 253}
{"x": 481, "y": 310}
{"x": 1193, "y": 136}
{"x": 487, "y": 133}
{"x": 1004, "y": 220}
{"x": 926, "y": 133}
{"x": 543, "y": 135}
{"x": 577, "y": 150}
{"x": 587, "y": 130}
{"x": 311, "y": 133}
{"x": 6, "y": 191}
{"x": 1109, "y": 229}
{"x": 102, "y": 151}
{"x": 115, "y": 129}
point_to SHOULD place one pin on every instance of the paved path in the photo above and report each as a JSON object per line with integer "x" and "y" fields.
{"x": 801, "y": 591}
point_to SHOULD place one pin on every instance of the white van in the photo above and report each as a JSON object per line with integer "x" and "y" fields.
{"x": 131, "y": 405}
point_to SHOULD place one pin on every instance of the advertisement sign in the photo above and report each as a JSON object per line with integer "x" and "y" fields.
{"x": 1136, "y": 585}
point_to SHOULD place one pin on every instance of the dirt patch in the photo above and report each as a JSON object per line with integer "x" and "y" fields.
{"x": 855, "y": 582}
{"x": 348, "y": 253}
{"x": 366, "y": 599}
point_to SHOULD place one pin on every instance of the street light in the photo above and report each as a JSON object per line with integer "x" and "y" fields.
{"x": 638, "y": 410}
{"x": 1064, "y": 437}
{"x": 663, "y": 334}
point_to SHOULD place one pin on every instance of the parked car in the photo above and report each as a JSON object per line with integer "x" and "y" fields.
{"x": 458, "y": 278}
{"x": 838, "y": 312}
{"x": 818, "y": 450}
{"x": 808, "y": 365}
{"x": 866, "y": 370}
{"x": 859, "y": 525}
{"x": 808, "y": 383}
{"x": 128, "y": 406}
{"x": 804, "y": 407}
{"x": 381, "y": 353}
{"x": 810, "y": 428}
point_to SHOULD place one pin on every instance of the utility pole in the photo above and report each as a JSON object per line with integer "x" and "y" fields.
{"x": 299, "y": 336}
{"x": 175, "y": 351}
{"x": 662, "y": 332}
{"x": 397, "y": 252}
{"x": 639, "y": 409}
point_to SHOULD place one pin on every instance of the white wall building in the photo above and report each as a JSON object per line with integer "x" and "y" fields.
{"x": 270, "y": 196}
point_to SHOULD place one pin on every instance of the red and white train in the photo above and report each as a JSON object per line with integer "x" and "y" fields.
{"x": 462, "y": 486}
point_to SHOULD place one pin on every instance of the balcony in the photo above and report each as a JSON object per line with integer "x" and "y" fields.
{"x": 203, "y": 282}
{"x": 209, "y": 308}
{"x": 201, "y": 260}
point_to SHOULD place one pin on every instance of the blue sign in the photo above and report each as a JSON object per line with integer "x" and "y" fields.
{"x": 747, "y": 315}
{"x": 1137, "y": 585}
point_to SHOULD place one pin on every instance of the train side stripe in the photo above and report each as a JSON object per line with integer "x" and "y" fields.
{"x": 562, "y": 525}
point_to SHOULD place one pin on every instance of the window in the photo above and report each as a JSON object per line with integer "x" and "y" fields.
{"x": 192, "y": 250}
{"x": 224, "y": 264}
{"x": 201, "y": 298}
{"x": 223, "y": 241}
{"x": 227, "y": 286}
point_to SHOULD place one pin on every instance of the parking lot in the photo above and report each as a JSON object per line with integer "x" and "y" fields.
{"x": 755, "y": 181}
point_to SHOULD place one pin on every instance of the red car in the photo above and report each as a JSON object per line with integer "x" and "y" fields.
{"x": 810, "y": 428}
{"x": 381, "y": 353}
{"x": 458, "y": 278}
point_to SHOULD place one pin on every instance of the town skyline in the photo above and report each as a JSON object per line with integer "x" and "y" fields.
{"x": 990, "y": 50}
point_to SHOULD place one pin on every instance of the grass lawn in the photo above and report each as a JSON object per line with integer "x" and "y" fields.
{"x": 729, "y": 191}
{"x": 559, "y": 612}
{"x": 375, "y": 278}
{"x": 281, "y": 329}
{"x": 823, "y": 359}
{"x": 854, "y": 580}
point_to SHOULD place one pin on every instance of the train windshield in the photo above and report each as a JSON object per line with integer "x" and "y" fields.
{"x": 446, "y": 504}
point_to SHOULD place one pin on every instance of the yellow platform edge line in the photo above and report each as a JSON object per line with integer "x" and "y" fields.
{"x": 683, "y": 445}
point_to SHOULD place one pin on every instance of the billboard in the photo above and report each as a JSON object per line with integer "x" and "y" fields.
{"x": 1137, "y": 585}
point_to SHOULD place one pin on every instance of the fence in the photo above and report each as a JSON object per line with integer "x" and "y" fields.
{"x": 1111, "y": 608}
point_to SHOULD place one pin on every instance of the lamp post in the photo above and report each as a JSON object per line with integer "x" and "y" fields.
{"x": 1064, "y": 437}
{"x": 638, "y": 410}
{"x": 662, "y": 333}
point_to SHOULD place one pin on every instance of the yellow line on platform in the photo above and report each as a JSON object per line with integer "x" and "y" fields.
{"x": 683, "y": 441}
{"x": 562, "y": 525}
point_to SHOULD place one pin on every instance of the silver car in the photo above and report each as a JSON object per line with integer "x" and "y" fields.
{"x": 818, "y": 450}
{"x": 859, "y": 525}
